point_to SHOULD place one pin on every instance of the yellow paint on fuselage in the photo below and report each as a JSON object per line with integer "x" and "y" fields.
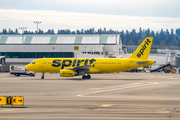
{"x": 101, "y": 65}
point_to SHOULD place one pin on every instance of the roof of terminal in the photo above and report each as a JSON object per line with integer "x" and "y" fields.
{"x": 60, "y": 39}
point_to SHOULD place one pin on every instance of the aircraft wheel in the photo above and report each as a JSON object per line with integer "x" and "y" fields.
{"x": 88, "y": 76}
{"x": 84, "y": 77}
{"x": 42, "y": 77}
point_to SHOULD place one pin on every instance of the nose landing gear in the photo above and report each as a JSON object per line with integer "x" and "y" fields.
{"x": 42, "y": 77}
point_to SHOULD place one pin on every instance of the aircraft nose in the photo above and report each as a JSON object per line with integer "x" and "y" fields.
{"x": 28, "y": 67}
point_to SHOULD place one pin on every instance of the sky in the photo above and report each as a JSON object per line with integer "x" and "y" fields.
{"x": 84, "y": 14}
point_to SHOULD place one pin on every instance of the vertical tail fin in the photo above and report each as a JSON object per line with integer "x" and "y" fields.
{"x": 142, "y": 52}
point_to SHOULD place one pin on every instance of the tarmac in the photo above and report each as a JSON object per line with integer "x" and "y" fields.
{"x": 126, "y": 96}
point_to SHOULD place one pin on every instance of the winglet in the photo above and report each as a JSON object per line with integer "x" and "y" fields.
{"x": 142, "y": 52}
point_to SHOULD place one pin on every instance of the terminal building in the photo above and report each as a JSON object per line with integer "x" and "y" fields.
{"x": 22, "y": 49}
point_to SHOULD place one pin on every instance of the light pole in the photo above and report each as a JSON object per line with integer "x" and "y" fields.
{"x": 37, "y": 22}
{"x": 22, "y": 28}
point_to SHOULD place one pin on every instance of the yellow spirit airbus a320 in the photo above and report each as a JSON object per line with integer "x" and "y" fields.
{"x": 70, "y": 67}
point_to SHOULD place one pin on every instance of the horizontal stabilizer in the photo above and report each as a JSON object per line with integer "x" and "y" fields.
{"x": 141, "y": 62}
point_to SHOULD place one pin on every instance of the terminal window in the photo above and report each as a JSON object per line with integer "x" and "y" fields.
{"x": 37, "y": 54}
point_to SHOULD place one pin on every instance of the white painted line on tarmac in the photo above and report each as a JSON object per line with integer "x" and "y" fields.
{"x": 108, "y": 90}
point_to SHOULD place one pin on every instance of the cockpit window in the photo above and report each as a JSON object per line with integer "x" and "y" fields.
{"x": 32, "y": 62}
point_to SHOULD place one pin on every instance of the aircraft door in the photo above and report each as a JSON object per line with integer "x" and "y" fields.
{"x": 127, "y": 63}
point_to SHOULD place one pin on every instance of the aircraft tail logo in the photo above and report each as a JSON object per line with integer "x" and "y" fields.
{"x": 142, "y": 52}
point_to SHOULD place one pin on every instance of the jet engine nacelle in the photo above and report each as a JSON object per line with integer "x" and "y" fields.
{"x": 67, "y": 73}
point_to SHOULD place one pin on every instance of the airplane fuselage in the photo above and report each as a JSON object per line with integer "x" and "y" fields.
{"x": 98, "y": 65}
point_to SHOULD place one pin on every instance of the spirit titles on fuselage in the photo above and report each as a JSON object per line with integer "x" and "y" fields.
{"x": 73, "y": 63}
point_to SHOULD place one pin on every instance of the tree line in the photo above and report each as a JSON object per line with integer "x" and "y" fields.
{"x": 162, "y": 38}
{"x": 67, "y": 31}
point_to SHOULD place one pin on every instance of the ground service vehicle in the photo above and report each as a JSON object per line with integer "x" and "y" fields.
{"x": 70, "y": 67}
{"x": 19, "y": 69}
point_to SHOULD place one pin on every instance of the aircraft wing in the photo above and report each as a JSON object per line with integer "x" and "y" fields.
{"x": 81, "y": 68}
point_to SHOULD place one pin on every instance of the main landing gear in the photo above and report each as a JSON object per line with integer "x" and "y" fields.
{"x": 42, "y": 77}
{"x": 86, "y": 77}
